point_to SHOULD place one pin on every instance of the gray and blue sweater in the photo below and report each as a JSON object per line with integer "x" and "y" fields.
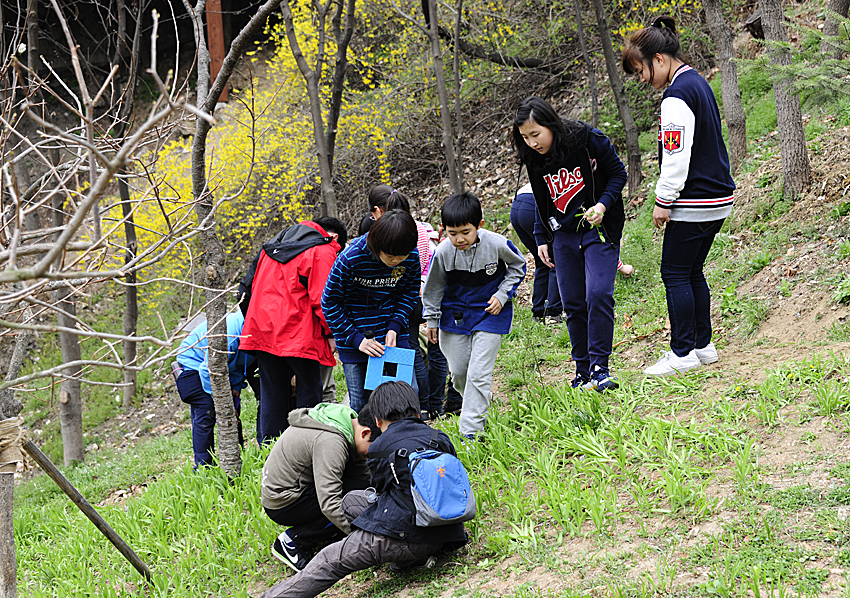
{"x": 460, "y": 283}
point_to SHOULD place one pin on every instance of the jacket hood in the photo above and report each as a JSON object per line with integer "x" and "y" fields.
{"x": 326, "y": 416}
{"x": 297, "y": 239}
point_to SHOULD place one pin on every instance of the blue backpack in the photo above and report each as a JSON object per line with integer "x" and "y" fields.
{"x": 439, "y": 485}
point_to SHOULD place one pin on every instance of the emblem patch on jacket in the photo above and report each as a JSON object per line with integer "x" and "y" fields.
{"x": 398, "y": 272}
{"x": 490, "y": 269}
{"x": 672, "y": 138}
{"x": 564, "y": 185}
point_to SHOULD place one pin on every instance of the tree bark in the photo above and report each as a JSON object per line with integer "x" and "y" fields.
{"x": 632, "y": 143}
{"x": 736, "y": 121}
{"x": 131, "y": 309}
{"x": 832, "y": 27}
{"x": 32, "y": 45}
{"x": 311, "y": 77}
{"x": 796, "y": 172}
{"x": 458, "y": 111}
{"x": 591, "y": 72}
{"x": 228, "y": 432}
{"x": 8, "y": 560}
{"x": 452, "y": 161}
{"x": 343, "y": 39}
{"x": 70, "y": 389}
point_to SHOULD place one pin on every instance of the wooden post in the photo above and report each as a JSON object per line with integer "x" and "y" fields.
{"x": 215, "y": 34}
{"x": 8, "y": 560}
{"x": 88, "y": 510}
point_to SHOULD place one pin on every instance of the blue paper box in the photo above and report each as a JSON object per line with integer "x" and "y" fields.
{"x": 395, "y": 365}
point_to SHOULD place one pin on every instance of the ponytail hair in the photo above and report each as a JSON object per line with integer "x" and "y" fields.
{"x": 659, "y": 37}
{"x": 387, "y": 198}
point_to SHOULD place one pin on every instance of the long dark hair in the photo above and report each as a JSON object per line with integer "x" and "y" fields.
{"x": 566, "y": 134}
{"x": 659, "y": 37}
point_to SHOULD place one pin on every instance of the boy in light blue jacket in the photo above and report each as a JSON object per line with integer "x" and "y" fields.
{"x": 468, "y": 304}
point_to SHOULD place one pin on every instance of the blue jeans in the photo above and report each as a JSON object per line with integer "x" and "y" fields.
{"x": 586, "y": 270}
{"x": 523, "y": 213}
{"x": 686, "y": 245}
{"x": 203, "y": 415}
{"x": 355, "y": 379}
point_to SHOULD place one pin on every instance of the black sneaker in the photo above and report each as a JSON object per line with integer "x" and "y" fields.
{"x": 579, "y": 381}
{"x": 288, "y": 554}
{"x": 404, "y": 567}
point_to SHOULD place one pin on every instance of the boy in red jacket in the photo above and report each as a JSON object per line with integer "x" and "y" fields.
{"x": 284, "y": 324}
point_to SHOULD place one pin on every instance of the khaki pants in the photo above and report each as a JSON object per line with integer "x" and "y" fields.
{"x": 359, "y": 550}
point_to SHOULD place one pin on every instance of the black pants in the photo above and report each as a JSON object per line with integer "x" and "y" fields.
{"x": 309, "y": 526}
{"x": 275, "y": 401}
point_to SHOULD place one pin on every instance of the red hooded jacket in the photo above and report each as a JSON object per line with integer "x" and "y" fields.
{"x": 285, "y": 313}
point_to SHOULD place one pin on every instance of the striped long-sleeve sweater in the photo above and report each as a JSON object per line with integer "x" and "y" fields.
{"x": 695, "y": 184}
{"x": 363, "y": 294}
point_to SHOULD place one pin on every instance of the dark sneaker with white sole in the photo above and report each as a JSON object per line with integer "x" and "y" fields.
{"x": 288, "y": 554}
{"x": 579, "y": 381}
{"x": 601, "y": 380}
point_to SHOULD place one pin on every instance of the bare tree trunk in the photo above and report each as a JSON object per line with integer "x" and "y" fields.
{"x": 591, "y": 72}
{"x": 226, "y": 421}
{"x": 831, "y": 27}
{"x": 343, "y": 39}
{"x": 70, "y": 391}
{"x": 632, "y": 143}
{"x": 311, "y": 77}
{"x": 8, "y": 560}
{"x": 32, "y": 44}
{"x": 131, "y": 309}
{"x": 458, "y": 112}
{"x": 452, "y": 161}
{"x": 796, "y": 172}
{"x": 736, "y": 121}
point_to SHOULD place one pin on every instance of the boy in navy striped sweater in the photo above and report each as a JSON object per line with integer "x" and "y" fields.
{"x": 467, "y": 303}
{"x": 370, "y": 293}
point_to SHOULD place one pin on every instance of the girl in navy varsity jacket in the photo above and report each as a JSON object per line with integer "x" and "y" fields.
{"x": 577, "y": 179}
{"x": 694, "y": 191}
{"x": 370, "y": 293}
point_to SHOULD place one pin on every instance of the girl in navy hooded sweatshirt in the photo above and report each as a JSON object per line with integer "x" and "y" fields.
{"x": 694, "y": 192}
{"x": 577, "y": 179}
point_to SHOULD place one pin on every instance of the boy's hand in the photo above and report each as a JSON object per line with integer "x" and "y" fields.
{"x": 433, "y": 335}
{"x": 332, "y": 344}
{"x": 392, "y": 336}
{"x": 371, "y": 347}
{"x": 595, "y": 214}
{"x": 543, "y": 254}
{"x": 494, "y": 306}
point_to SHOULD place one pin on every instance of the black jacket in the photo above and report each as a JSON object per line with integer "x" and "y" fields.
{"x": 391, "y": 514}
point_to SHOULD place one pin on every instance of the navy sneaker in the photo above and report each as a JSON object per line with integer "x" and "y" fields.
{"x": 286, "y": 552}
{"x": 601, "y": 380}
{"x": 579, "y": 381}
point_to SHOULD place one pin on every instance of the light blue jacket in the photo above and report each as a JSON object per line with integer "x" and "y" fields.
{"x": 194, "y": 354}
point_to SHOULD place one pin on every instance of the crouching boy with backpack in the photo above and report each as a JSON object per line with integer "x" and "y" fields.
{"x": 384, "y": 522}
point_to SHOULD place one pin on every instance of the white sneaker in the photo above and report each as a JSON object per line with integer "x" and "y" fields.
{"x": 708, "y": 354}
{"x": 670, "y": 363}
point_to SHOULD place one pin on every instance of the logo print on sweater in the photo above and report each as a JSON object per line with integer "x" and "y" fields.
{"x": 490, "y": 269}
{"x": 673, "y": 138}
{"x": 564, "y": 185}
{"x": 398, "y": 272}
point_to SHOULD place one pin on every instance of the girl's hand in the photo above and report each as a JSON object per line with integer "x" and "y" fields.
{"x": 595, "y": 214}
{"x": 660, "y": 216}
{"x": 543, "y": 254}
{"x": 371, "y": 347}
{"x": 433, "y": 335}
{"x": 494, "y": 306}
{"x": 392, "y": 336}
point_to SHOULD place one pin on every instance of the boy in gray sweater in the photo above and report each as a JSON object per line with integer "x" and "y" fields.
{"x": 467, "y": 302}
{"x": 315, "y": 462}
